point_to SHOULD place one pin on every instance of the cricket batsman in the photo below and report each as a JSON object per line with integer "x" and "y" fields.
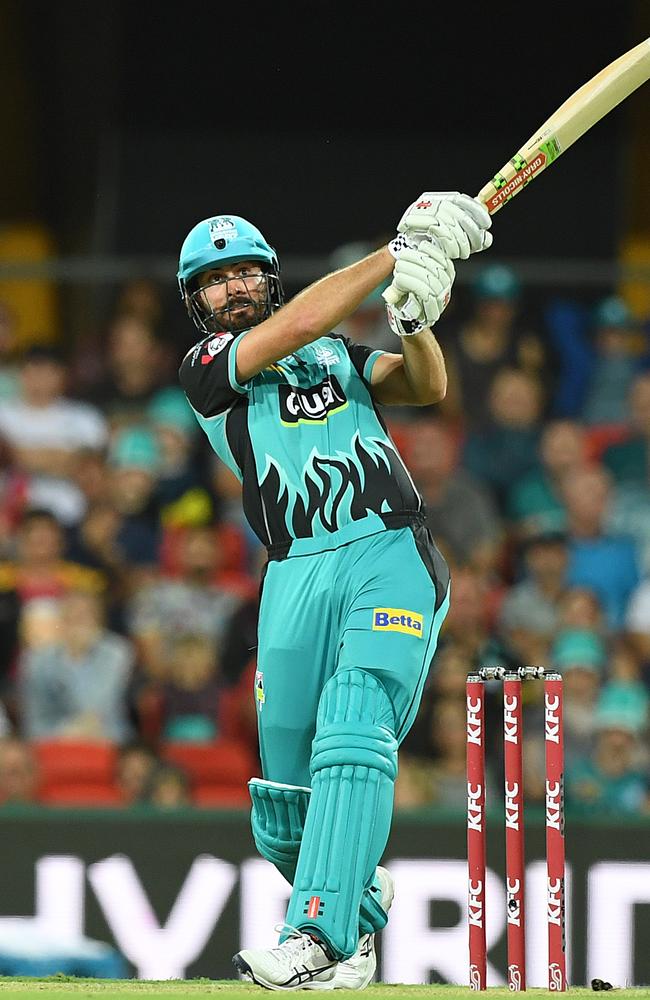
{"x": 354, "y": 590}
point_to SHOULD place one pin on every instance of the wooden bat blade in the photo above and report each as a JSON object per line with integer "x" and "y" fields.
{"x": 577, "y": 115}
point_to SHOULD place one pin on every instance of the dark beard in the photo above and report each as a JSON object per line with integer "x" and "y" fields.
{"x": 237, "y": 318}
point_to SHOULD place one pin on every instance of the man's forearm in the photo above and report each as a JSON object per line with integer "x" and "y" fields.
{"x": 327, "y": 302}
{"x": 313, "y": 313}
{"x": 424, "y": 367}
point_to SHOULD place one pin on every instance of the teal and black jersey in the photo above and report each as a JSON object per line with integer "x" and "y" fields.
{"x": 317, "y": 465}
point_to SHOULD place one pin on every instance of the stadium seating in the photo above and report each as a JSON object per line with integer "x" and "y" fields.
{"x": 218, "y": 772}
{"x": 77, "y": 772}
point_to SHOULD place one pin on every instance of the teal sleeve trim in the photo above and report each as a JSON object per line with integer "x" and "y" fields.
{"x": 242, "y": 387}
{"x": 370, "y": 364}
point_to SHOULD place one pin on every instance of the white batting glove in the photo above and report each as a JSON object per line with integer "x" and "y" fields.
{"x": 457, "y": 222}
{"x": 421, "y": 286}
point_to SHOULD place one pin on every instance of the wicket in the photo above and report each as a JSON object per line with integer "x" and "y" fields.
{"x": 514, "y": 825}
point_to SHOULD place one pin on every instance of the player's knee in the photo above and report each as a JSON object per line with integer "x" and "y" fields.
{"x": 355, "y": 724}
{"x": 277, "y": 818}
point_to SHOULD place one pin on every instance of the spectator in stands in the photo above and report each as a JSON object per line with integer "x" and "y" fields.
{"x": 449, "y": 675}
{"x": 183, "y": 491}
{"x": 608, "y": 564}
{"x": 141, "y": 297}
{"x": 580, "y": 607}
{"x": 529, "y": 613}
{"x": 615, "y": 363}
{"x": 135, "y": 763}
{"x": 46, "y": 431}
{"x": 76, "y": 688}
{"x": 624, "y": 687}
{"x": 494, "y": 337}
{"x": 461, "y": 514}
{"x": 95, "y": 543}
{"x": 629, "y": 514}
{"x": 19, "y": 776}
{"x": 535, "y": 501}
{"x": 38, "y": 569}
{"x": 471, "y": 618}
{"x": 436, "y": 774}
{"x": 91, "y": 476}
{"x": 629, "y": 460}
{"x": 40, "y": 622}
{"x": 190, "y": 702}
{"x": 580, "y": 657}
{"x": 598, "y": 353}
{"x": 504, "y": 447}
{"x": 136, "y": 367}
{"x": 168, "y": 787}
{"x": 190, "y": 602}
{"x": 134, "y": 465}
{"x": 612, "y": 780}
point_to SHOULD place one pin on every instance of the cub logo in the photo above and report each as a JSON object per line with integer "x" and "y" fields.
{"x": 312, "y": 405}
{"x": 397, "y": 620}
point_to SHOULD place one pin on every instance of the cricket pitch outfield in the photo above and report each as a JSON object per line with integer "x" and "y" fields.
{"x": 55, "y": 987}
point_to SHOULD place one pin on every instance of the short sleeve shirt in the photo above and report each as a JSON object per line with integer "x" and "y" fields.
{"x": 317, "y": 464}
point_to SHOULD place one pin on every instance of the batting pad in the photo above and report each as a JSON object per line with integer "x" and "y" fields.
{"x": 353, "y": 766}
{"x": 277, "y": 820}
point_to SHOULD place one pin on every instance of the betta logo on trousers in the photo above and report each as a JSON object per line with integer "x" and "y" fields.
{"x": 397, "y": 620}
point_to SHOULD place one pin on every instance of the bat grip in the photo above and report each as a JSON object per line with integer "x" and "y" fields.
{"x": 391, "y": 295}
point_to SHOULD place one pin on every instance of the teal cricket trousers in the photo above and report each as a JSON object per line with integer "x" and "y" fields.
{"x": 346, "y": 639}
{"x": 376, "y": 604}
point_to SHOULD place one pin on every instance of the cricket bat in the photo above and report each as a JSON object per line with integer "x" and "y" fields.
{"x": 584, "y": 108}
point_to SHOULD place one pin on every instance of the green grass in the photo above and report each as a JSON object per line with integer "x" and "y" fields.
{"x": 127, "y": 989}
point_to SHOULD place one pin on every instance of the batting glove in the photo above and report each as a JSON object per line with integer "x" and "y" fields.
{"x": 422, "y": 280}
{"x": 457, "y": 222}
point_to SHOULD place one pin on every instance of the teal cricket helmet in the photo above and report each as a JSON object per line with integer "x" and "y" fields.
{"x": 217, "y": 242}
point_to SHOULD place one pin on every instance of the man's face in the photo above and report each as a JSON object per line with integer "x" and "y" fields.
{"x": 547, "y": 559}
{"x": 236, "y": 294}
{"x": 41, "y": 541}
{"x": 563, "y": 446}
{"x": 43, "y": 381}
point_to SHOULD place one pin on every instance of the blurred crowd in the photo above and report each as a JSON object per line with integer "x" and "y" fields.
{"x": 129, "y": 578}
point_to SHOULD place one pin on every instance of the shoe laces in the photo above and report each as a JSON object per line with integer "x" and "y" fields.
{"x": 297, "y": 940}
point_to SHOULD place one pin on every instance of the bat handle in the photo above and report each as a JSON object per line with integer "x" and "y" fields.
{"x": 391, "y": 295}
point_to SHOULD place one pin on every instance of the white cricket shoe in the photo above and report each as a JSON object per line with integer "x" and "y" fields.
{"x": 358, "y": 970}
{"x": 290, "y": 966}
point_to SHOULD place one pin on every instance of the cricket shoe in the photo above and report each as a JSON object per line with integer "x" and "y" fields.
{"x": 297, "y": 962}
{"x": 358, "y": 970}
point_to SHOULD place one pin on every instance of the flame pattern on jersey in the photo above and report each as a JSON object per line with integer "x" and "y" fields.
{"x": 336, "y": 490}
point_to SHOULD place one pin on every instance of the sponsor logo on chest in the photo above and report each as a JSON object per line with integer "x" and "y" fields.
{"x": 311, "y": 405}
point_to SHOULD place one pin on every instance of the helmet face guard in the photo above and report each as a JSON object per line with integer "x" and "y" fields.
{"x": 262, "y": 291}
{"x": 218, "y": 242}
